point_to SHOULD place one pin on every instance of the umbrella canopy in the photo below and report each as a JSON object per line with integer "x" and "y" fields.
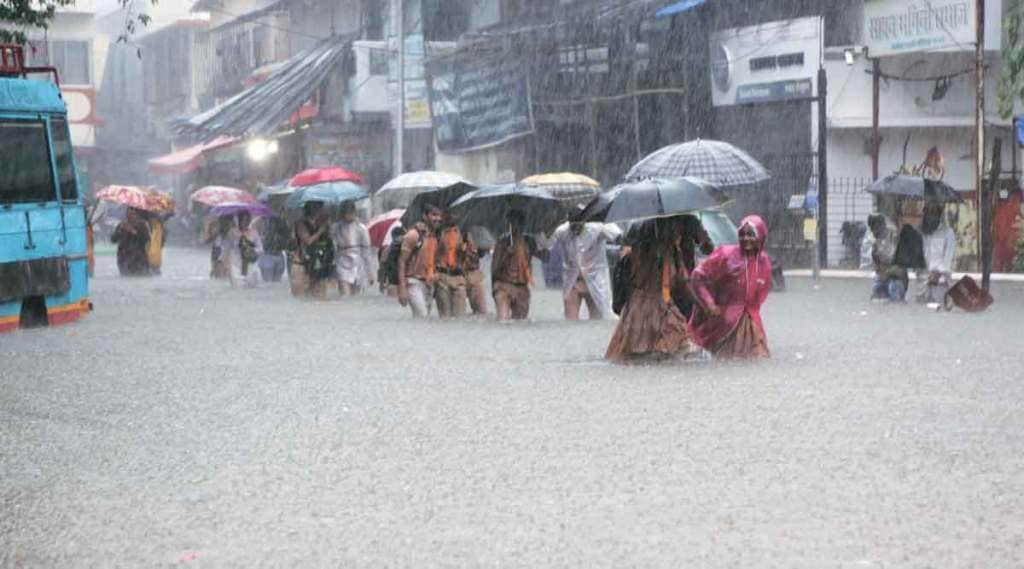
{"x": 654, "y": 197}
{"x": 316, "y": 176}
{"x": 489, "y": 207}
{"x": 914, "y": 187}
{"x": 139, "y": 197}
{"x": 718, "y": 162}
{"x": 216, "y": 195}
{"x": 380, "y": 226}
{"x": 570, "y": 188}
{"x": 441, "y": 197}
{"x": 422, "y": 180}
{"x": 235, "y": 208}
{"x": 331, "y": 194}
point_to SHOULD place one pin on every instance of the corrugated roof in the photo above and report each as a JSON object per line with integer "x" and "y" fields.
{"x": 264, "y": 107}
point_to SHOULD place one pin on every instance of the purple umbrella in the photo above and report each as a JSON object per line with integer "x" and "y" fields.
{"x": 235, "y": 208}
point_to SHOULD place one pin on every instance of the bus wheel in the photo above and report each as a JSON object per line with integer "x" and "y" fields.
{"x": 33, "y": 312}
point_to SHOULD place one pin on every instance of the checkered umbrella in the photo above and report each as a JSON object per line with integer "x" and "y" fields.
{"x": 718, "y": 162}
{"x": 569, "y": 188}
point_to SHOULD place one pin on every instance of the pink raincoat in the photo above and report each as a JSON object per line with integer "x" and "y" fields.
{"x": 734, "y": 282}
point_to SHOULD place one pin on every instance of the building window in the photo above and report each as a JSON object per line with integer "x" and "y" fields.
{"x": 71, "y": 58}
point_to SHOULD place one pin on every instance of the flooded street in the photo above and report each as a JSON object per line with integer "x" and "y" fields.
{"x": 188, "y": 424}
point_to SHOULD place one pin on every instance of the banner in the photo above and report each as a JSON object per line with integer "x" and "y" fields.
{"x": 478, "y": 102}
{"x": 892, "y": 27}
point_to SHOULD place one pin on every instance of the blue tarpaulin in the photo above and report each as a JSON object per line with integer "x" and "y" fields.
{"x": 678, "y": 8}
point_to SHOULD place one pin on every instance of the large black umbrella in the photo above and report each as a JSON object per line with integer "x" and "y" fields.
{"x": 440, "y": 197}
{"x": 654, "y": 197}
{"x": 489, "y": 207}
{"x": 915, "y": 187}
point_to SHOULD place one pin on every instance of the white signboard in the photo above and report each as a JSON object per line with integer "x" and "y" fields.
{"x": 770, "y": 62}
{"x": 893, "y": 27}
{"x": 417, "y": 101}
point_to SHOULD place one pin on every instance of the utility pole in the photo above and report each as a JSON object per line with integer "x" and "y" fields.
{"x": 400, "y": 117}
{"x": 876, "y": 142}
{"x": 822, "y": 168}
{"x": 979, "y": 116}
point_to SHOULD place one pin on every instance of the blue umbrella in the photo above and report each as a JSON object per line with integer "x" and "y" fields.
{"x": 330, "y": 194}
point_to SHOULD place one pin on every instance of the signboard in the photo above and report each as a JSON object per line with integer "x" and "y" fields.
{"x": 776, "y": 91}
{"x": 770, "y": 62}
{"x": 892, "y": 27}
{"x": 478, "y": 102}
{"x": 417, "y": 102}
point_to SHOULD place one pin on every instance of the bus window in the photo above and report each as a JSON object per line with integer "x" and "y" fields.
{"x": 65, "y": 165}
{"x": 25, "y": 173}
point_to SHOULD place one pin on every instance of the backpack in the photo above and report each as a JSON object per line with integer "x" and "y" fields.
{"x": 319, "y": 258}
{"x": 968, "y": 296}
{"x": 621, "y": 275}
{"x": 389, "y": 269}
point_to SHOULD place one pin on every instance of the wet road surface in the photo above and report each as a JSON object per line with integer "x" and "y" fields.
{"x": 187, "y": 424}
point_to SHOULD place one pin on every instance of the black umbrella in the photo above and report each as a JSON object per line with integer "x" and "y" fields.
{"x": 489, "y": 207}
{"x": 440, "y": 197}
{"x": 654, "y": 197}
{"x": 915, "y": 187}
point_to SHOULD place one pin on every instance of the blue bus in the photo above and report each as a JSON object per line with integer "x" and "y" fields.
{"x": 43, "y": 257}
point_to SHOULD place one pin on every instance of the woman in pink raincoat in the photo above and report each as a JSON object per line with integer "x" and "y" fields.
{"x": 732, "y": 284}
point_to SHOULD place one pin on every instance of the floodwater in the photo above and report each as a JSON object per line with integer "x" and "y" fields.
{"x": 187, "y": 424}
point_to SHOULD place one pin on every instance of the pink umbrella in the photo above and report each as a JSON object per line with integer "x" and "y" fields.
{"x": 138, "y": 197}
{"x": 316, "y": 176}
{"x": 215, "y": 195}
{"x": 381, "y": 224}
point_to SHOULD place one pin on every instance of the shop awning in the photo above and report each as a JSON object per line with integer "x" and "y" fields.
{"x": 187, "y": 159}
{"x": 678, "y": 8}
{"x": 264, "y": 107}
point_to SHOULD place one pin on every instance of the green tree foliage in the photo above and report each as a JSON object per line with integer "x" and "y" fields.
{"x": 1011, "y": 84}
{"x": 17, "y": 17}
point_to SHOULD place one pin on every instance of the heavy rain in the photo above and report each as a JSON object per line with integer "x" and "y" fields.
{"x": 463, "y": 283}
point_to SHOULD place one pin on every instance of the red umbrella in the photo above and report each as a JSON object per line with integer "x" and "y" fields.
{"x": 381, "y": 224}
{"x": 316, "y": 176}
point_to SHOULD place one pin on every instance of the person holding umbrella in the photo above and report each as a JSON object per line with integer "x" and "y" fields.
{"x": 450, "y": 288}
{"x": 511, "y": 273}
{"x": 651, "y": 324}
{"x": 246, "y": 248}
{"x": 585, "y": 267}
{"x": 417, "y": 263}
{"x": 313, "y": 261}
{"x": 132, "y": 237}
{"x": 731, "y": 285}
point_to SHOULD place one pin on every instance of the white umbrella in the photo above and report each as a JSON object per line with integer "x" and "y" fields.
{"x": 401, "y": 189}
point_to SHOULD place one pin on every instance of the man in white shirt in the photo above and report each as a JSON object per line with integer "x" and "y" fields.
{"x": 354, "y": 257}
{"x": 585, "y": 276}
{"x": 939, "y": 248}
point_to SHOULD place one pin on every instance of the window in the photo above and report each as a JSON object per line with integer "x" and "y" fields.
{"x": 70, "y": 57}
{"x": 25, "y": 173}
{"x": 61, "y": 138}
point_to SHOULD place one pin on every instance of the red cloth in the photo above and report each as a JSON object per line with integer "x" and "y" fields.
{"x": 733, "y": 282}
{"x": 1004, "y": 244}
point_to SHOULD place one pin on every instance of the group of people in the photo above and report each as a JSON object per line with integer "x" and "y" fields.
{"x": 669, "y": 306}
{"x": 140, "y": 240}
{"x": 928, "y": 251}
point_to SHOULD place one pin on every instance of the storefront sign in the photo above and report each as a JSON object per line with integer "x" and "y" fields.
{"x": 773, "y": 61}
{"x": 478, "y": 102}
{"x": 905, "y": 26}
{"x": 776, "y": 91}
